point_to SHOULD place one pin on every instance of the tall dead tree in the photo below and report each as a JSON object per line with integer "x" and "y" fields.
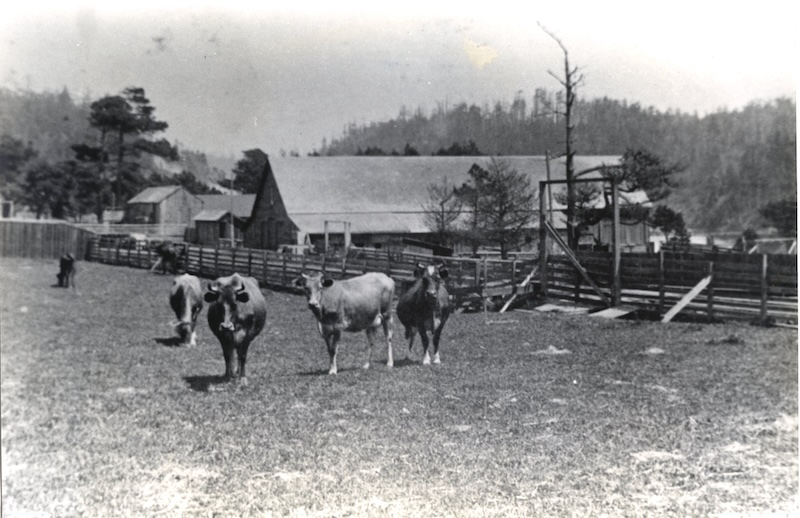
{"x": 570, "y": 82}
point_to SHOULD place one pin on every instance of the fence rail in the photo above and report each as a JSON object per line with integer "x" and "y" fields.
{"x": 743, "y": 286}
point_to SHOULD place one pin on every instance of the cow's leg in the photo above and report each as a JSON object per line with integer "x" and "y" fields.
{"x": 331, "y": 340}
{"x": 371, "y": 332}
{"x": 388, "y": 328}
{"x": 437, "y": 334}
{"x": 241, "y": 353}
{"x": 422, "y": 327}
{"x": 230, "y": 369}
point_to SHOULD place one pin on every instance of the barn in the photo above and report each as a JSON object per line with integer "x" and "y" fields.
{"x": 168, "y": 205}
{"x": 370, "y": 201}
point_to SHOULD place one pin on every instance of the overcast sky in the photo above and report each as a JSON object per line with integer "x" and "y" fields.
{"x": 227, "y": 76}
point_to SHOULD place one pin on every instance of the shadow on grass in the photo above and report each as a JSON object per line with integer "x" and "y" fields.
{"x": 205, "y": 383}
{"x": 172, "y": 341}
{"x": 398, "y": 364}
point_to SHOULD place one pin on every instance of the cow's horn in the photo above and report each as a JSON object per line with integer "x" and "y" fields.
{"x": 213, "y": 288}
{"x": 241, "y": 288}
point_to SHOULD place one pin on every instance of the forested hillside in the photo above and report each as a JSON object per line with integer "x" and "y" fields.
{"x": 737, "y": 161}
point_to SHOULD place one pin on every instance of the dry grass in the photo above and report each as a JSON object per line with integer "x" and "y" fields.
{"x": 101, "y": 416}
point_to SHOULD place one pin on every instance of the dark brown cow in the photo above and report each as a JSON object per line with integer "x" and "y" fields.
{"x": 66, "y": 271}
{"x": 186, "y": 300}
{"x": 425, "y": 307}
{"x": 362, "y": 303}
{"x": 236, "y": 315}
{"x": 169, "y": 257}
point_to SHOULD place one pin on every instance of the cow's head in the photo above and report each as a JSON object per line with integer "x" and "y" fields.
{"x": 430, "y": 277}
{"x": 312, "y": 286}
{"x": 227, "y": 294}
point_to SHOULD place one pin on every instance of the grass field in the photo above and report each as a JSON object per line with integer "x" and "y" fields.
{"x": 550, "y": 415}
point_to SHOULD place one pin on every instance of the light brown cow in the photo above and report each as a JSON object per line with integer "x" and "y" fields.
{"x": 362, "y": 303}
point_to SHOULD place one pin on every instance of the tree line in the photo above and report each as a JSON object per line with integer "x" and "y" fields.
{"x": 69, "y": 159}
{"x": 737, "y": 162}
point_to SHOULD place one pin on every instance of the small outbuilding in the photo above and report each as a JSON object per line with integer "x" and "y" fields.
{"x": 168, "y": 205}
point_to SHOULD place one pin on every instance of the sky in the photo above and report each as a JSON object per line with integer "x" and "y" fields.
{"x": 230, "y": 76}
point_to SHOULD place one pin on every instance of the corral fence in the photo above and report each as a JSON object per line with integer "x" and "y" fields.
{"x": 42, "y": 239}
{"x": 470, "y": 280}
{"x": 740, "y": 286}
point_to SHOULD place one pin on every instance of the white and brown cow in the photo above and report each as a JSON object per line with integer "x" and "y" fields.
{"x": 186, "y": 300}
{"x": 362, "y": 303}
{"x": 425, "y": 307}
{"x": 236, "y": 315}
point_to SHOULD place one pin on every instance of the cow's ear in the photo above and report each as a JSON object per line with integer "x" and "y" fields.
{"x": 242, "y": 297}
{"x": 300, "y": 282}
{"x": 210, "y": 297}
{"x": 326, "y": 282}
{"x": 418, "y": 270}
{"x": 443, "y": 273}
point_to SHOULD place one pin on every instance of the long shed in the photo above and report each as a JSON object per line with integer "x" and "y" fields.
{"x": 380, "y": 198}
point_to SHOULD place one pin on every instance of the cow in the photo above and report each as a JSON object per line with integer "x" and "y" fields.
{"x": 186, "y": 300}
{"x": 236, "y": 315}
{"x": 362, "y": 303}
{"x": 66, "y": 271}
{"x": 425, "y": 307}
{"x": 169, "y": 257}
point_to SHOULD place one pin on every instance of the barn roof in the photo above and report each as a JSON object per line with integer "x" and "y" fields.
{"x": 155, "y": 194}
{"x": 242, "y": 203}
{"x": 210, "y": 215}
{"x": 386, "y": 194}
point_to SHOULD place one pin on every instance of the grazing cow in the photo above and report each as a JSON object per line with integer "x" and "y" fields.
{"x": 236, "y": 315}
{"x": 362, "y": 303}
{"x": 66, "y": 271}
{"x": 425, "y": 307}
{"x": 186, "y": 300}
{"x": 169, "y": 257}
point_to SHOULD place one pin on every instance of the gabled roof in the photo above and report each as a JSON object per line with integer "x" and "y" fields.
{"x": 386, "y": 194}
{"x": 210, "y": 215}
{"x": 155, "y": 194}
{"x": 242, "y": 203}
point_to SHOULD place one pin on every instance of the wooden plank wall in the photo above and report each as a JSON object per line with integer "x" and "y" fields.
{"x": 34, "y": 239}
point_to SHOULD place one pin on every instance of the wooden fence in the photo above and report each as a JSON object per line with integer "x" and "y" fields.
{"x": 743, "y": 286}
{"x": 42, "y": 239}
{"x": 469, "y": 279}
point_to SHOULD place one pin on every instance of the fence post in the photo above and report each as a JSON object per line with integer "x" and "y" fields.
{"x": 216, "y": 261}
{"x": 661, "y": 287}
{"x": 200, "y": 260}
{"x": 283, "y": 271}
{"x": 710, "y": 292}
{"x": 233, "y": 260}
{"x": 149, "y": 258}
{"x": 264, "y": 267}
{"x": 117, "y": 261}
{"x": 249, "y": 262}
{"x": 542, "y": 241}
{"x": 344, "y": 266}
{"x": 514, "y": 275}
{"x": 764, "y": 288}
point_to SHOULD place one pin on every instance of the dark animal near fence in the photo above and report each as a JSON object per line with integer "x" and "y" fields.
{"x": 362, "y": 303}
{"x": 169, "y": 257}
{"x": 426, "y": 307}
{"x": 236, "y": 315}
{"x": 66, "y": 271}
{"x": 186, "y": 300}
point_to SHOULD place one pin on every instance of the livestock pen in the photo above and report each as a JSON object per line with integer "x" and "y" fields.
{"x": 741, "y": 287}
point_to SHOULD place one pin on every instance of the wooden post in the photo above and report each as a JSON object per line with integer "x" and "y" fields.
{"x": 216, "y": 261}
{"x": 233, "y": 259}
{"x": 764, "y": 288}
{"x": 283, "y": 271}
{"x": 200, "y": 260}
{"x": 485, "y": 282}
{"x": 616, "y": 283}
{"x": 116, "y": 259}
{"x": 661, "y": 287}
{"x": 249, "y": 262}
{"x": 264, "y": 267}
{"x": 514, "y": 275}
{"x": 344, "y": 266}
{"x": 542, "y": 241}
{"x": 710, "y": 292}
{"x": 149, "y": 256}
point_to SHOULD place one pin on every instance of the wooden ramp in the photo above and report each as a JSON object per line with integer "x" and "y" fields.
{"x": 615, "y": 312}
{"x": 556, "y": 308}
